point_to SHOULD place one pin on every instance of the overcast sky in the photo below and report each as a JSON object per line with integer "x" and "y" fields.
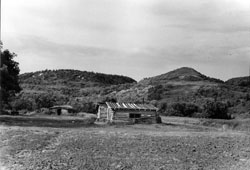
{"x": 136, "y": 38}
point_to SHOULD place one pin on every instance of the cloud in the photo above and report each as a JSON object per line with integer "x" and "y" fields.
{"x": 36, "y": 53}
{"x": 138, "y": 38}
{"x": 225, "y": 16}
{"x": 45, "y": 46}
{"x": 224, "y": 29}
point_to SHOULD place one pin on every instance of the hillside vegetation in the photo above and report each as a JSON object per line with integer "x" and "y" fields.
{"x": 186, "y": 92}
{"x": 181, "y": 74}
{"x": 81, "y": 89}
{"x": 239, "y": 81}
{"x": 75, "y": 77}
{"x": 181, "y": 92}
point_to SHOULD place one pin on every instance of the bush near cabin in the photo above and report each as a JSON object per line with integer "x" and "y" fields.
{"x": 35, "y": 102}
{"x": 216, "y": 110}
{"x": 179, "y": 109}
{"x": 212, "y": 109}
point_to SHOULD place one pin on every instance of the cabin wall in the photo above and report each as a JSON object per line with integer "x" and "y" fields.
{"x": 125, "y": 115}
{"x": 121, "y": 115}
{"x": 102, "y": 112}
{"x": 64, "y": 112}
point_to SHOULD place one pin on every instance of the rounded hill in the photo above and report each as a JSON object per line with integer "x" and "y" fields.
{"x": 239, "y": 81}
{"x": 67, "y": 75}
{"x": 180, "y": 74}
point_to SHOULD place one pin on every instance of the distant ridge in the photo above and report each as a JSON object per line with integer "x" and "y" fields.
{"x": 68, "y": 75}
{"x": 183, "y": 86}
{"x": 239, "y": 81}
{"x": 180, "y": 74}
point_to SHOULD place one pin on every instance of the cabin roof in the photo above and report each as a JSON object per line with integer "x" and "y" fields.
{"x": 66, "y": 107}
{"x": 131, "y": 106}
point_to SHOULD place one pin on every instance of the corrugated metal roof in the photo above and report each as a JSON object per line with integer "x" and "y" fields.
{"x": 62, "y": 107}
{"x": 131, "y": 106}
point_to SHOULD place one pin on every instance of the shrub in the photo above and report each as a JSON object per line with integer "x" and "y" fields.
{"x": 46, "y": 111}
{"x": 110, "y": 99}
{"x": 154, "y": 102}
{"x": 200, "y": 115}
{"x": 45, "y": 100}
{"x": 155, "y": 93}
{"x": 179, "y": 109}
{"x": 80, "y": 106}
{"x": 216, "y": 110}
{"x": 23, "y": 104}
{"x": 244, "y": 83}
{"x": 162, "y": 107}
{"x": 185, "y": 109}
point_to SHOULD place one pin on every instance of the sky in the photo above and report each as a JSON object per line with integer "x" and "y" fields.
{"x": 135, "y": 38}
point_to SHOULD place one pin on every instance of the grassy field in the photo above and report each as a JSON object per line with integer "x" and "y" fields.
{"x": 175, "y": 144}
{"x": 233, "y": 124}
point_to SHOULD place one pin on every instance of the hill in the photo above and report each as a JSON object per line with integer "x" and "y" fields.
{"x": 73, "y": 76}
{"x": 81, "y": 89}
{"x": 186, "y": 90}
{"x": 177, "y": 92}
{"x": 172, "y": 86}
{"x": 180, "y": 74}
{"x": 239, "y": 81}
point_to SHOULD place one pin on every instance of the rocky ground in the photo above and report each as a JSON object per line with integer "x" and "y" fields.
{"x": 166, "y": 146}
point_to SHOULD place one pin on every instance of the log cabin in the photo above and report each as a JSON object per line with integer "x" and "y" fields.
{"x": 127, "y": 112}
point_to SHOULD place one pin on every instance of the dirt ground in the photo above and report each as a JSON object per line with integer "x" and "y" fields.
{"x": 168, "y": 146}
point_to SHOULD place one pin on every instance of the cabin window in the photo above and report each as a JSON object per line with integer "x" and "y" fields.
{"x": 133, "y": 115}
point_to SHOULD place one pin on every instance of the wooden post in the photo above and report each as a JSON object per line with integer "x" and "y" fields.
{"x": 99, "y": 113}
{"x": 111, "y": 115}
{"x": 107, "y": 112}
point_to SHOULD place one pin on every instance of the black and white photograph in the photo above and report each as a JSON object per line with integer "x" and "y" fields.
{"x": 125, "y": 85}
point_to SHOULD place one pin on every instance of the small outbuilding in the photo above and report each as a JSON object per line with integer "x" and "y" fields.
{"x": 63, "y": 109}
{"x": 127, "y": 111}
